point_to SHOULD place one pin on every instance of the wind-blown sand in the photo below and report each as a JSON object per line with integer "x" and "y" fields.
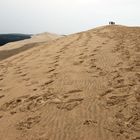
{"x": 84, "y": 86}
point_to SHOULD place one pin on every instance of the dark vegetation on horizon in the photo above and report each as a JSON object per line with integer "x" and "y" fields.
{"x": 6, "y": 38}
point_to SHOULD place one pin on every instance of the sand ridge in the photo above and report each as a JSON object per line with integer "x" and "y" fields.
{"x": 84, "y": 86}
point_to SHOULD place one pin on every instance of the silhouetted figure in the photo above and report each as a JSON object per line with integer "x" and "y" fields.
{"x": 111, "y": 23}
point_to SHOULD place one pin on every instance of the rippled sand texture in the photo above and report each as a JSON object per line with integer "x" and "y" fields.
{"x": 84, "y": 86}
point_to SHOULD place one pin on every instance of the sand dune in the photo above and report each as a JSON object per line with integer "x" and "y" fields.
{"x": 84, "y": 86}
{"x": 13, "y": 48}
{"x": 38, "y": 38}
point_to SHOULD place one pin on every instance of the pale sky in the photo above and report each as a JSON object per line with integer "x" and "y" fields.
{"x": 65, "y": 16}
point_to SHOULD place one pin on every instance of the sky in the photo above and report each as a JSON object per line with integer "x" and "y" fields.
{"x": 65, "y": 16}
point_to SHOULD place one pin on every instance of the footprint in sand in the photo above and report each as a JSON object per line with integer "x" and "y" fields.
{"x": 115, "y": 100}
{"x": 81, "y": 54}
{"x": 1, "y": 78}
{"x": 78, "y": 62}
{"x": 46, "y": 83}
{"x": 92, "y": 55}
{"x": 1, "y": 96}
{"x": 83, "y": 57}
{"x": 28, "y": 123}
{"x": 13, "y": 103}
{"x": 106, "y": 92}
{"x": 23, "y": 75}
{"x": 32, "y": 103}
{"x": 56, "y": 65}
{"x": 90, "y": 123}
{"x": 51, "y": 70}
{"x": 74, "y": 91}
{"x": 103, "y": 73}
{"x": 70, "y": 104}
{"x": 98, "y": 47}
{"x": 104, "y": 43}
{"x": 1, "y": 89}
{"x": 136, "y": 138}
{"x": 26, "y": 79}
{"x": 19, "y": 72}
{"x": 96, "y": 50}
{"x": 35, "y": 89}
{"x": 69, "y": 101}
{"x": 57, "y": 57}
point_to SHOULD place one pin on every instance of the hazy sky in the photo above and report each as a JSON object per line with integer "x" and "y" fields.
{"x": 65, "y": 16}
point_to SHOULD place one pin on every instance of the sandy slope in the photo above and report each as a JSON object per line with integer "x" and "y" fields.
{"x": 84, "y": 86}
{"x": 38, "y": 38}
{"x": 17, "y": 47}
